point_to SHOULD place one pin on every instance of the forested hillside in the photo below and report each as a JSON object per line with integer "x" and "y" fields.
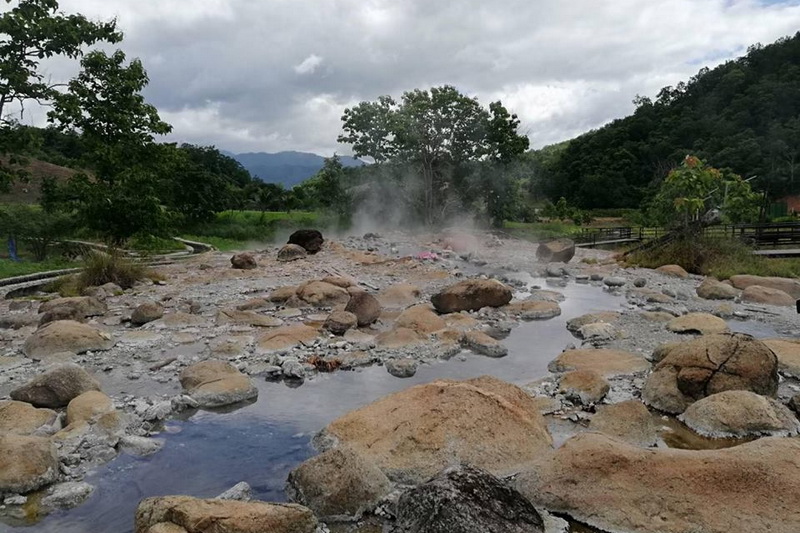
{"x": 743, "y": 115}
{"x": 286, "y": 168}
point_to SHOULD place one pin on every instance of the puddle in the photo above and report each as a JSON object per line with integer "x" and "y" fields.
{"x": 759, "y": 330}
{"x": 675, "y": 434}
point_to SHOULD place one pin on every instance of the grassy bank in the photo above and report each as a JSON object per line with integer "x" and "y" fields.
{"x": 10, "y": 269}
{"x": 235, "y": 229}
{"x": 718, "y": 257}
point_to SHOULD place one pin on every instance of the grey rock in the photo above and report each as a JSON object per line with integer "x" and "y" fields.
{"x": 366, "y": 307}
{"x": 291, "y": 252}
{"x": 401, "y": 368}
{"x": 243, "y": 261}
{"x": 599, "y": 331}
{"x": 465, "y": 499}
{"x": 242, "y": 492}
{"x": 555, "y": 271}
{"x": 556, "y": 250}
{"x": 739, "y": 413}
{"x": 614, "y": 281}
{"x": 140, "y": 446}
{"x": 483, "y": 344}
{"x": 292, "y": 369}
{"x": 56, "y": 387}
{"x": 146, "y": 312}
{"x": 66, "y": 495}
{"x": 639, "y": 282}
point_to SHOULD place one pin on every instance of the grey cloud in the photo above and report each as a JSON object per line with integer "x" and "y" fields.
{"x": 225, "y": 72}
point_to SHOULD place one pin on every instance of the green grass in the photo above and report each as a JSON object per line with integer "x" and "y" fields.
{"x": 153, "y": 245}
{"x": 10, "y": 269}
{"x": 541, "y": 230}
{"x": 236, "y": 228}
{"x": 718, "y": 257}
{"x": 220, "y": 243}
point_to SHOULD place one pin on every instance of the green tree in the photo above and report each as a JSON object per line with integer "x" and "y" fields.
{"x": 30, "y": 32}
{"x": 118, "y": 128}
{"x": 435, "y": 134}
{"x": 694, "y": 188}
{"x": 199, "y": 181}
{"x": 331, "y": 190}
{"x": 36, "y": 229}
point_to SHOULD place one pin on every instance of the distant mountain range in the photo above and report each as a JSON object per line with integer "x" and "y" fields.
{"x": 287, "y": 168}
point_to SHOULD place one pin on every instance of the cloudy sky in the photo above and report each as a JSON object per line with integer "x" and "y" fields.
{"x": 271, "y": 75}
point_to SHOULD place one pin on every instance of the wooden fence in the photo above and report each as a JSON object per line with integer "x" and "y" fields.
{"x": 758, "y": 235}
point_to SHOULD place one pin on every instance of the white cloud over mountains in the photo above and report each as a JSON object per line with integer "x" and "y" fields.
{"x": 273, "y": 75}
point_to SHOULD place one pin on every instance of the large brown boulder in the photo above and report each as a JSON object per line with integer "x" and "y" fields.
{"x": 412, "y": 434}
{"x": 675, "y": 271}
{"x": 629, "y": 421}
{"x": 66, "y": 336}
{"x": 84, "y": 306}
{"x": 471, "y": 295}
{"x": 281, "y": 294}
{"x": 321, "y": 294}
{"x": 339, "y": 322}
{"x": 607, "y": 363}
{"x": 21, "y": 418}
{"x": 146, "y": 312}
{"x": 366, "y": 307}
{"x": 310, "y": 239}
{"x": 338, "y": 485}
{"x": 216, "y": 383}
{"x": 88, "y": 407}
{"x": 707, "y": 365}
{"x": 556, "y": 251}
{"x": 61, "y": 313}
{"x": 788, "y": 353}
{"x": 26, "y": 463}
{"x": 766, "y": 295}
{"x": 243, "y": 261}
{"x": 195, "y": 515}
{"x": 614, "y": 486}
{"x": 712, "y": 289}
{"x": 739, "y": 414}
{"x": 583, "y": 386}
{"x": 465, "y": 499}
{"x": 702, "y": 323}
{"x": 56, "y": 387}
{"x": 787, "y": 285}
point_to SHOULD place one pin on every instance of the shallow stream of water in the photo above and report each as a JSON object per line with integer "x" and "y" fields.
{"x": 261, "y": 442}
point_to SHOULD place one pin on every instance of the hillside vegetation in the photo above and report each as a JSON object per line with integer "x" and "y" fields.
{"x": 743, "y": 115}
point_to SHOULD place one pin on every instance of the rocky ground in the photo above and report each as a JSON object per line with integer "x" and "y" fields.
{"x": 84, "y": 379}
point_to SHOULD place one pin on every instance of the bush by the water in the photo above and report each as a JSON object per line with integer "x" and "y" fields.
{"x": 718, "y": 257}
{"x": 100, "y": 268}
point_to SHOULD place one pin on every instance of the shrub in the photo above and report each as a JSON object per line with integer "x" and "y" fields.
{"x": 100, "y": 268}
